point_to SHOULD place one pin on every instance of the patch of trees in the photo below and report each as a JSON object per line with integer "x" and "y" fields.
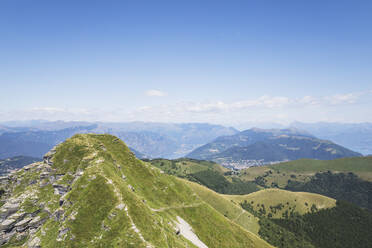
{"x": 340, "y": 186}
{"x": 261, "y": 181}
{"x": 279, "y": 236}
{"x": 273, "y": 233}
{"x": 345, "y": 225}
{"x": 259, "y": 209}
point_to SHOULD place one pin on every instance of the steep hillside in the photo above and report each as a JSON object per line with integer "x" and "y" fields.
{"x": 92, "y": 192}
{"x": 226, "y": 207}
{"x": 257, "y": 147}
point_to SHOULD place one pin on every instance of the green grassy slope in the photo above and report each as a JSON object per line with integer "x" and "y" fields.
{"x": 226, "y": 207}
{"x": 348, "y": 179}
{"x": 304, "y": 169}
{"x": 362, "y": 166}
{"x": 112, "y": 200}
{"x": 277, "y": 202}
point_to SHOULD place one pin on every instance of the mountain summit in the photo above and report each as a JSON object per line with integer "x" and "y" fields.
{"x": 91, "y": 191}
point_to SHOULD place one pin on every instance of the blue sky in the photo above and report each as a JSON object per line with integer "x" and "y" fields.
{"x": 228, "y": 62}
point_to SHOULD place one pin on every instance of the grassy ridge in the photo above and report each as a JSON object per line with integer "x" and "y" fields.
{"x": 276, "y": 203}
{"x": 119, "y": 201}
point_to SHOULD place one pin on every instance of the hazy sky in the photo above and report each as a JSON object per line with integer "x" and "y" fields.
{"x": 226, "y": 62}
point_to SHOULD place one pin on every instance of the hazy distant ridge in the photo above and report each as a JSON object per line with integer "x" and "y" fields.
{"x": 258, "y": 146}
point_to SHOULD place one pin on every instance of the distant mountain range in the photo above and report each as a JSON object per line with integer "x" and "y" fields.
{"x": 355, "y": 136}
{"x": 196, "y": 140}
{"x": 261, "y": 146}
{"x": 146, "y": 140}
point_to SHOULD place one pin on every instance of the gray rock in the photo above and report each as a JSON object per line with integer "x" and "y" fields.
{"x": 21, "y": 235}
{"x": 3, "y": 180}
{"x": 80, "y": 173}
{"x": 60, "y": 189}
{"x": 28, "y": 167}
{"x": 121, "y": 206}
{"x": 22, "y": 225}
{"x": 9, "y": 208}
{"x": 34, "y": 243}
{"x": 6, "y": 236}
{"x": 35, "y": 222}
{"x": 7, "y": 224}
{"x": 58, "y": 214}
{"x": 62, "y": 233}
{"x": 17, "y": 216}
{"x": 44, "y": 175}
{"x": 48, "y": 157}
{"x": 131, "y": 187}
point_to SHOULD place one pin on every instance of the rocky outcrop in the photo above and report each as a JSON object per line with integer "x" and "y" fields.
{"x": 15, "y": 222}
{"x": 19, "y": 223}
{"x": 48, "y": 157}
{"x": 61, "y": 189}
{"x": 9, "y": 208}
{"x": 34, "y": 243}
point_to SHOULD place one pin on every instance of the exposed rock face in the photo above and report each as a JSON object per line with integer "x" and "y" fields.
{"x": 61, "y": 189}
{"x": 8, "y": 208}
{"x": 47, "y": 159}
{"x": 19, "y": 224}
{"x": 34, "y": 243}
{"x": 16, "y": 221}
